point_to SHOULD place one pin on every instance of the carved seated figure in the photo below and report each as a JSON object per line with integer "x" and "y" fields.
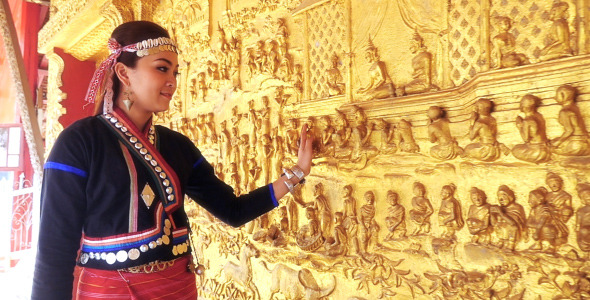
{"x": 478, "y": 217}
{"x": 583, "y": 218}
{"x": 309, "y": 237}
{"x": 422, "y": 66}
{"x": 334, "y": 79}
{"x": 402, "y": 135}
{"x": 483, "y": 128}
{"x": 438, "y": 131}
{"x": 575, "y": 140}
{"x": 341, "y": 136}
{"x": 508, "y": 219}
{"x": 533, "y": 132}
{"x": 380, "y": 84}
{"x": 338, "y": 244}
{"x": 421, "y": 209}
{"x": 368, "y": 225}
{"x": 361, "y": 135}
{"x": 543, "y": 223}
{"x": 387, "y": 134}
{"x": 559, "y": 200}
{"x": 504, "y": 43}
{"x": 559, "y": 35}
{"x": 450, "y": 217}
{"x": 396, "y": 217}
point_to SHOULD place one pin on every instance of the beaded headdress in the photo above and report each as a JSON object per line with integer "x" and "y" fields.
{"x": 98, "y": 83}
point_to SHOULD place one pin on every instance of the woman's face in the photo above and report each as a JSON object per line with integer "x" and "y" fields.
{"x": 153, "y": 81}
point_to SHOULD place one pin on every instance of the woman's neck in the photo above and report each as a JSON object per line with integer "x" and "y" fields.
{"x": 139, "y": 117}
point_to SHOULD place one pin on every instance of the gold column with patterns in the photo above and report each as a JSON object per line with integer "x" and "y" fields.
{"x": 452, "y": 154}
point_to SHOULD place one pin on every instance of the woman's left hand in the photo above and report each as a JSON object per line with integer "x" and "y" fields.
{"x": 305, "y": 152}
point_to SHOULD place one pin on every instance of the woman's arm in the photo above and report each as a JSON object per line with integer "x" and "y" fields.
{"x": 219, "y": 199}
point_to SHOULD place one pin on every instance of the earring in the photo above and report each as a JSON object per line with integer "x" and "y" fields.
{"x": 127, "y": 100}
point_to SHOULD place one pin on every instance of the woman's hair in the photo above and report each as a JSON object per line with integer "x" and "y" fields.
{"x": 127, "y": 34}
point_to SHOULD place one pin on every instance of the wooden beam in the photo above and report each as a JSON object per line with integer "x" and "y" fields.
{"x": 23, "y": 93}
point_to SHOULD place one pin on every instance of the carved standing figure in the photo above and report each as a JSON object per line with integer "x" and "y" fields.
{"x": 396, "y": 217}
{"x": 326, "y": 131}
{"x": 583, "y": 218}
{"x": 322, "y": 206}
{"x": 559, "y": 200}
{"x": 380, "y": 84}
{"x": 503, "y": 46}
{"x": 291, "y": 137}
{"x": 478, "y": 217}
{"x": 483, "y": 129}
{"x": 369, "y": 228}
{"x": 421, "y": 209}
{"x": 559, "y": 35}
{"x": 439, "y": 132}
{"x": 422, "y": 66}
{"x": 533, "y": 132}
{"x": 449, "y": 214}
{"x": 544, "y": 224}
{"x": 508, "y": 219}
{"x": 350, "y": 221}
{"x": 574, "y": 141}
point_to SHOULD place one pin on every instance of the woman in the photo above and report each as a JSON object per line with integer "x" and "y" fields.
{"x": 114, "y": 184}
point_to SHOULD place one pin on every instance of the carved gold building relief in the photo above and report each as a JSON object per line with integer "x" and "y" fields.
{"x": 452, "y": 154}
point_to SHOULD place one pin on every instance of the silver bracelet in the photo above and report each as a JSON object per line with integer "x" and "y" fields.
{"x": 298, "y": 172}
{"x": 288, "y": 173}
{"x": 289, "y": 186}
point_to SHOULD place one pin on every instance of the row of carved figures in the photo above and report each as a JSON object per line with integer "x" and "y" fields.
{"x": 268, "y": 57}
{"x": 504, "y": 225}
{"x": 504, "y": 55}
{"x": 357, "y": 139}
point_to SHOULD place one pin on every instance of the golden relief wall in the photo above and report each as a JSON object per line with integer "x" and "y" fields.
{"x": 452, "y": 155}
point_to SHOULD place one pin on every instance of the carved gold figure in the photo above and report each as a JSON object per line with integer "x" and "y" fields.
{"x": 533, "y": 132}
{"x": 559, "y": 35}
{"x": 559, "y": 200}
{"x": 440, "y": 133}
{"x": 583, "y": 218}
{"x": 508, "y": 219}
{"x": 544, "y": 223}
{"x": 350, "y": 221}
{"x": 380, "y": 84}
{"x": 404, "y": 137}
{"x": 421, "y": 209}
{"x": 450, "y": 217}
{"x": 504, "y": 43}
{"x": 334, "y": 78}
{"x": 369, "y": 228}
{"x": 478, "y": 217}
{"x": 483, "y": 128}
{"x": 396, "y": 217}
{"x": 574, "y": 141}
{"x": 337, "y": 244}
{"x": 422, "y": 66}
